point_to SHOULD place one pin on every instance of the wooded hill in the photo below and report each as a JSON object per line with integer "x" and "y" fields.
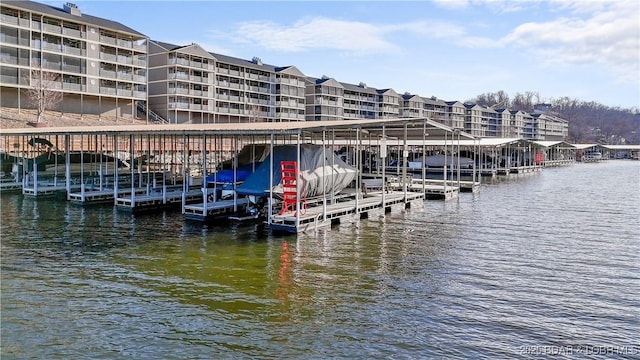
{"x": 589, "y": 122}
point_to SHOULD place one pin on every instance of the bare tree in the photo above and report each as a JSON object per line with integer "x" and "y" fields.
{"x": 44, "y": 91}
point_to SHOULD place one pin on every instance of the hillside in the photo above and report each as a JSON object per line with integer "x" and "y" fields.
{"x": 588, "y": 121}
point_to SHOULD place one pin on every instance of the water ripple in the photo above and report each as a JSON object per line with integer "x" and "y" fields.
{"x": 549, "y": 259}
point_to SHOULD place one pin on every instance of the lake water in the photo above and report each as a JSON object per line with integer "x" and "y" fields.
{"x": 534, "y": 264}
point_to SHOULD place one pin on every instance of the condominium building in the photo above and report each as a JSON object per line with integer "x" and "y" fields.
{"x": 473, "y": 120}
{"x": 388, "y": 104}
{"x": 187, "y": 84}
{"x": 454, "y": 114}
{"x": 549, "y": 127}
{"x": 106, "y": 68}
{"x": 99, "y": 65}
{"x": 359, "y": 101}
{"x": 411, "y": 106}
{"x": 324, "y": 99}
{"x": 435, "y": 109}
{"x": 490, "y": 122}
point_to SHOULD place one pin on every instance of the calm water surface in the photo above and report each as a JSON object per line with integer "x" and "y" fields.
{"x": 532, "y": 261}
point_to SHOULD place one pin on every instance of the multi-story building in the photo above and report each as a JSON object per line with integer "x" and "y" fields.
{"x": 491, "y": 124}
{"x": 455, "y": 113}
{"x": 549, "y": 127}
{"x": 435, "y": 109}
{"x": 359, "y": 101}
{"x": 528, "y": 128}
{"x": 103, "y": 67}
{"x": 290, "y": 94}
{"x": 473, "y": 120}
{"x": 99, "y": 65}
{"x": 516, "y": 124}
{"x": 187, "y": 84}
{"x": 411, "y": 106}
{"x": 388, "y": 104}
{"x": 181, "y": 83}
{"x": 324, "y": 99}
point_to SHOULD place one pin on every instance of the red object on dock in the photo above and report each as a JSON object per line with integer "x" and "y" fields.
{"x": 289, "y": 172}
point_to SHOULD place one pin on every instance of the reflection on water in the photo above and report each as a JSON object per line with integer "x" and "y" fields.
{"x": 541, "y": 259}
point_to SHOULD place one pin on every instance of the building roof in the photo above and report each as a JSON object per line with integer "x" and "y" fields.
{"x": 434, "y": 101}
{"x": 62, "y": 14}
{"x": 359, "y": 88}
{"x": 244, "y": 63}
{"x": 321, "y": 81}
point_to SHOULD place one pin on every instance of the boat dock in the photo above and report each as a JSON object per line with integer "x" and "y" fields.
{"x": 158, "y": 198}
{"x": 215, "y": 209}
{"x": 291, "y": 176}
{"x": 314, "y": 217}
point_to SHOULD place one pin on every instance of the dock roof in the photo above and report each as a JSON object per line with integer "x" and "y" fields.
{"x": 557, "y": 143}
{"x": 416, "y": 128}
{"x": 622, "y": 147}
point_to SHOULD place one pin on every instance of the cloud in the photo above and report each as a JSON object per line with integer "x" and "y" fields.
{"x": 497, "y": 6}
{"x": 603, "y": 33}
{"x": 314, "y": 33}
{"x": 332, "y": 34}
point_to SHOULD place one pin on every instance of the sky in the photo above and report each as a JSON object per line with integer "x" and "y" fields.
{"x": 450, "y": 49}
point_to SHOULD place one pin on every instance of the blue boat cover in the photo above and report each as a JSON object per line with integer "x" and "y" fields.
{"x": 328, "y": 175}
{"x": 229, "y": 176}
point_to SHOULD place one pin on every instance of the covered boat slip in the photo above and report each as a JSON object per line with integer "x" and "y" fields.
{"x": 162, "y": 165}
{"x": 495, "y": 156}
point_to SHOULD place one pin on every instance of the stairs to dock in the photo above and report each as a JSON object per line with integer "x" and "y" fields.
{"x": 153, "y": 116}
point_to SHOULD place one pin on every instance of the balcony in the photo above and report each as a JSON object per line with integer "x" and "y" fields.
{"x": 125, "y": 76}
{"x": 139, "y": 62}
{"x": 108, "y": 74}
{"x": 73, "y": 50}
{"x": 7, "y": 39}
{"x": 180, "y": 76}
{"x": 124, "y": 92}
{"x": 125, "y": 59}
{"x": 49, "y": 65}
{"x": 139, "y": 78}
{"x": 8, "y": 59}
{"x": 125, "y": 43}
{"x": 8, "y": 19}
{"x": 72, "y": 87}
{"x": 8, "y": 79}
{"x": 108, "y": 57}
{"x": 107, "y": 90}
{"x": 108, "y": 40}
{"x": 178, "y": 105}
{"x": 55, "y": 29}
{"x": 71, "y": 68}
{"x": 51, "y": 46}
{"x": 198, "y": 64}
{"x": 178, "y": 61}
{"x": 179, "y": 91}
{"x": 72, "y": 32}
